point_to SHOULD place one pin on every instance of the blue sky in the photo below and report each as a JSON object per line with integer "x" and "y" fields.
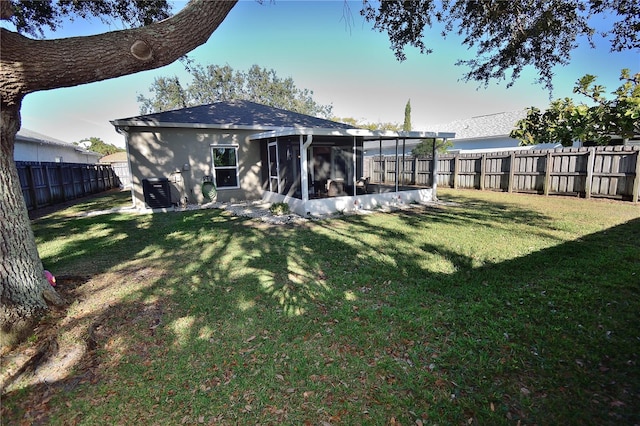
{"x": 340, "y": 58}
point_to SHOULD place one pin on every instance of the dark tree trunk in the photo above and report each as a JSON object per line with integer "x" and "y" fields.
{"x": 23, "y": 287}
{"x": 27, "y": 66}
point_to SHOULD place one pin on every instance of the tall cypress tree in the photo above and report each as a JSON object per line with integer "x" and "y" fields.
{"x": 407, "y": 117}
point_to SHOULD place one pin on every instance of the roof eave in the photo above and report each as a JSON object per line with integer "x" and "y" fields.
{"x": 266, "y": 132}
{"x": 86, "y": 151}
{"x": 364, "y": 133}
{"x": 314, "y": 131}
{"x": 124, "y": 124}
{"x": 478, "y": 138}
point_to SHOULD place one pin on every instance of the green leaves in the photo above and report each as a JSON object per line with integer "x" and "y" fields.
{"x": 32, "y": 16}
{"x": 214, "y": 83}
{"x": 406, "y": 126}
{"x": 168, "y": 94}
{"x": 425, "y": 147}
{"x": 508, "y": 35}
{"x": 566, "y": 122}
{"x": 98, "y": 145}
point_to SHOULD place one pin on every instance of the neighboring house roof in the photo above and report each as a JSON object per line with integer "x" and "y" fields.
{"x": 116, "y": 157}
{"x": 484, "y": 126}
{"x": 29, "y": 136}
{"x": 26, "y": 135}
{"x": 489, "y": 132}
{"x": 270, "y": 121}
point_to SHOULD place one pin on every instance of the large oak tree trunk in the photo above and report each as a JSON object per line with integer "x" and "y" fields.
{"x": 28, "y": 65}
{"x": 23, "y": 286}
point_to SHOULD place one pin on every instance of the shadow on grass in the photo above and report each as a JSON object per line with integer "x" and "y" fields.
{"x": 202, "y": 317}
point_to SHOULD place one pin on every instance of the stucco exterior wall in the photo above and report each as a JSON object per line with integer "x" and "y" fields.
{"x": 184, "y": 157}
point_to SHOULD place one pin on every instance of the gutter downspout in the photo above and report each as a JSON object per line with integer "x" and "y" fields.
{"x": 304, "y": 168}
{"x": 125, "y": 132}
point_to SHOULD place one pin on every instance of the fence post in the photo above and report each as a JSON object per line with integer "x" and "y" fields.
{"x": 483, "y": 165}
{"x": 636, "y": 180}
{"x": 547, "y": 173}
{"x": 32, "y": 186}
{"x": 47, "y": 182}
{"x": 456, "y": 168}
{"x": 383, "y": 168}
{"x": 512, "y": 170}
{"x": 74, "y": 191}
{"x": 414, "y": 172}
{"x": 60, "y": 173}
{"x": 589, "y": 179}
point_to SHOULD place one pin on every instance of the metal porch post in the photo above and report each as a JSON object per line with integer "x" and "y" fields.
{"x": 434, "y": 172}
{"x": 396, "y": 165}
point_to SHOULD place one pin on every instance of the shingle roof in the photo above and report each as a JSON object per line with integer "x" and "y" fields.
{"x": 236, "y": 113}
{"x": 116, "y": 157}
{"x": 484, "y": 126}
{"x": 29, "y": 136}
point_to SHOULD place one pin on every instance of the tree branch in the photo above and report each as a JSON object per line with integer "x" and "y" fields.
{"x": 6, "y": 11}
{"x": 29, "y": 65}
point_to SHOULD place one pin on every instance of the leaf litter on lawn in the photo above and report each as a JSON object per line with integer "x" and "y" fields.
{"x": 74, "y": 343}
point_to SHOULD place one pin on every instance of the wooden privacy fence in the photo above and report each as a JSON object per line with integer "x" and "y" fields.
{"x": 44, "y": 183}
{"x": 121, "y": 169}
{"x": 612, "y": 172}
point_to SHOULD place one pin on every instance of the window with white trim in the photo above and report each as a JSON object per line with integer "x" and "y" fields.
{"x": 225, "y": 166}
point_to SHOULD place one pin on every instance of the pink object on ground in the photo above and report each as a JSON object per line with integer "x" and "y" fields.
{"x": 49, "y": 276}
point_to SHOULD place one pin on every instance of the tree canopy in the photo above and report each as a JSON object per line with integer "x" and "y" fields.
{"x": 509, "y": 35}
{"x": 214, "y": 83}
{"x": 98, "y": 145}
{"x": 424, "y": 148}
{"x": 31, "y": 17}
{"x": 604, "y": 120}
{"x": 394, "y": 127}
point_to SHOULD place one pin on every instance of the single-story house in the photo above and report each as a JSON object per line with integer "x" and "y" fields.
{"x": 482, "y": 133}
{"x": 240, "y": 150}
{"x": 33, "y": 146}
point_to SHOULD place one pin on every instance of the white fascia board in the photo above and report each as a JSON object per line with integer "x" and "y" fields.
{"x": 446, "y": 135}
{"x": 409, "y": 135}
{"x": 272, "y": 132}
{"x": 122, "y": 124}
{"x": 368, "y": 135}
{"x": 315, "y": 131}
{"x": 417, "y": 135}
{"x": 482, "y": 138}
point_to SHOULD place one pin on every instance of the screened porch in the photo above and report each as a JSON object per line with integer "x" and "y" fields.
{"x": 320, "y": 171}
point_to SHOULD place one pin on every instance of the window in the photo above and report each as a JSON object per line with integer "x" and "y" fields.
{"x": 225, "y": 165}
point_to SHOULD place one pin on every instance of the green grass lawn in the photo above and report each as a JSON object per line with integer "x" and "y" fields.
{"x": 493, "y": 309}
